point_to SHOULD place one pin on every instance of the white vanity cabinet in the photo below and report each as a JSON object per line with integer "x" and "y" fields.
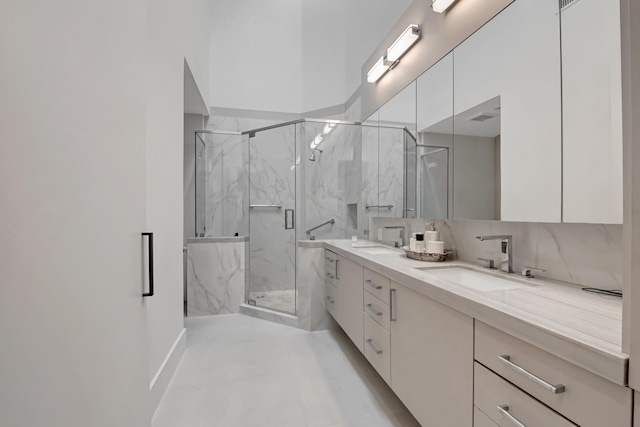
{"x": 431, "y": 358}
{"x": 577, "y": 394}
{"x": 345, "y": 295}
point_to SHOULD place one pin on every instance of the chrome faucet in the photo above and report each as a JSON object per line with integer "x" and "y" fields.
{"x": 506, "y": 242}
{"x": 397, "y": 227}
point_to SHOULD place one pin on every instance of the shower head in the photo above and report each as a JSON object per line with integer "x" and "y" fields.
{"x": 313, "y": 154}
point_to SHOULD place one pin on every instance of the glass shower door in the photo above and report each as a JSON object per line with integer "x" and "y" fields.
{"x": 272, "y": 202}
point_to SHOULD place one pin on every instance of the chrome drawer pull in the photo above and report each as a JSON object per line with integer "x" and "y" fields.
{"x": 504, "y": 410}
{"x": 373, "y": 285}
{"x": 330, "y": 260}
{"x": 555, "y": 389}
{"x": 376, "y": 312}
{"x": 331, "y": 300}
{"x": 373, "y": 347}
{"x": 330, "y": 275}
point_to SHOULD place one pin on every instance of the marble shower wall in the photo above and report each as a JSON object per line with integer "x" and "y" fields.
{"x": 369, "y": 184}
{"x": 584, "y": 254}
{"x": 226, "y": 185}
{"x": 215, "y": 276}
{"x": 329, "y": 187}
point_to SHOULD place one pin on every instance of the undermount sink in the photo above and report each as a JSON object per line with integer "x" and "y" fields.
{"x": 379, "y": 251}
{"x": 475, "y": 279}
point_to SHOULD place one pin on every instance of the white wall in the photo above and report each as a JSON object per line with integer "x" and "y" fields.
{"x": 255, "y": 55}
{"x": 197, "y": 25}
{"x": 292, "y": 55}
{"x": 73, "y": 348}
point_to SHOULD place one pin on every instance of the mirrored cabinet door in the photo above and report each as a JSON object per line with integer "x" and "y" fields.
{"x": 592, "y": 112}
{"x": 396, "y": 155}
{"x": 434, "y": 154}
{"x": 507, "y": 117}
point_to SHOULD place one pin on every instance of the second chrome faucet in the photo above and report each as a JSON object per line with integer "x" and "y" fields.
{"x": 506, "y": 250}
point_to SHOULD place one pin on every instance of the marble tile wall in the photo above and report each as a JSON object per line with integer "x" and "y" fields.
{"x": 584, "y": 254}
{"x": 391, "y": 171}
{"x": 215, "y": 277}
{"x": 330, "y": 187}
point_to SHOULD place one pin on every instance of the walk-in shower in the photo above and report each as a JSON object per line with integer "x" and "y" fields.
{"x": 254, "y": 183}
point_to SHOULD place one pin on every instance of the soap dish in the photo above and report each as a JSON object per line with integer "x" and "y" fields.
{"x": 423, "y": 256}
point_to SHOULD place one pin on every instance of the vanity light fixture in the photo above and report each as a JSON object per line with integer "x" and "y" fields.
{"x": 392, "y": 55}
{"x": 378, "y": 70}
{"x": 403, "y": 43}
{"x": 441, "y": 6}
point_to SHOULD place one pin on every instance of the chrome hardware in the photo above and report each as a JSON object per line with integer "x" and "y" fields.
{"x": 373, "y": 347}
{"x": 329, "y": 259}
{"x": 526, "y": 271}
{"x": 266, "y": 206}
{"x": 555, "y": 389}
{"x": 392, "y": 303}
{"x": 489, "y": 262}
{"x": 289, "y": 219}
{"x": 331, "y": 221}
{"x": 376, "y": 312}
{"x": 373, "y": 285}
{"x": 331, "y": 300}
{"x": 506, "y": 250}
{"x": 337, "y": 261}
{"x": 402, "y": 228}
{"x": 331, "y": 275}
{"x": 379, "y": 206}
{"x": 504, "y": 410}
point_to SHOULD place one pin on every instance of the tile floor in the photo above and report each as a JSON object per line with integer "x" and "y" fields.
{"x": 246, "y": 372}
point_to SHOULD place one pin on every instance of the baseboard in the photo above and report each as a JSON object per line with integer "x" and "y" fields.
{"x": 160, "y": 381}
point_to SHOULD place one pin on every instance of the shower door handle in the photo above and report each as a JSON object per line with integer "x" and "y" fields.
{"x": 289, "y": 219}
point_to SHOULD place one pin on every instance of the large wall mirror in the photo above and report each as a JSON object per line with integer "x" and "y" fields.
{"x": 480, "y": 135}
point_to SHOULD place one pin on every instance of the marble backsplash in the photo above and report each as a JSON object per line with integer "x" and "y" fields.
{"x": 583, "y": 254}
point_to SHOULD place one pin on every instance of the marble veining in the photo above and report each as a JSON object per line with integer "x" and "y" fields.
{"x": 215, "y": 278}
{"x": 584, "y": 254}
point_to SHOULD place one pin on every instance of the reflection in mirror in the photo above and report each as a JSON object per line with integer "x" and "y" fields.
{"x": 434, "y": 174}
{"x": 476, "y": 162}
{"x": 369, "y": 185}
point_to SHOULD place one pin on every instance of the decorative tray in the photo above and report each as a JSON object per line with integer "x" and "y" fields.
{"x": 423, "y": 256}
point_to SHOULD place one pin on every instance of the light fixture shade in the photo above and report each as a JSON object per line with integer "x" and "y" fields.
{"x": 377, "y": 71}
{"x": 403, "y": 43}
{"x": 441, "y": 6}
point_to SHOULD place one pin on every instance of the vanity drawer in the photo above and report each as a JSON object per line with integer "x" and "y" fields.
{"x": 330, "y": 300}
{"x": 481, "y": 420}
{"x": 491, "y": 392}
{"x": 588, "y": 399}
{"x": 377, "y": 347}
{"x": 376, "y": 284}
{"x": 330, "y": 266}
{"x": 377, "y": 309}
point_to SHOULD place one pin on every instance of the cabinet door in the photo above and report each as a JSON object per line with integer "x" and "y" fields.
{"x": 431, "y": 359}
{"x": 72, "y": 191}
{"x": 350, "y": 300}
{"x": 592, "y": 112}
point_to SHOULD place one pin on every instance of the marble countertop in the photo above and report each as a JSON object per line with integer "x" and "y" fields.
{"x": 229, "y": 239}
{"x": 583, "y": 328}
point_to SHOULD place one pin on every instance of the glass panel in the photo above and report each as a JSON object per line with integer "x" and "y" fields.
{"x": 222, "y": 185}
{"x": 369, "y": 187}
{"x": 200, "y": 187}
{"x": 434, "y": 169}
{"x": 410, "y": 175}
{"x": 272, "y": 246}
